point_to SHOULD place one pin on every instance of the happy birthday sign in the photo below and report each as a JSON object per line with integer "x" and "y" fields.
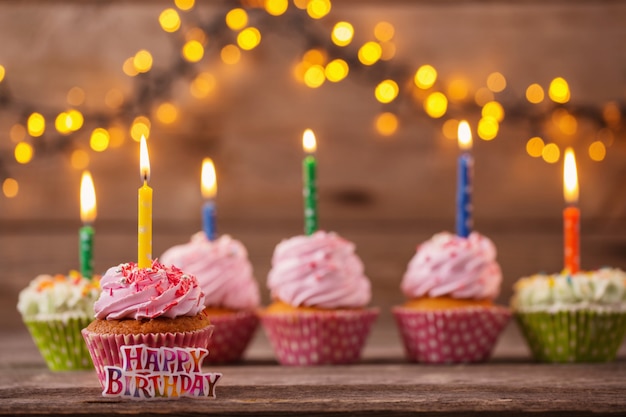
{"x": 148, "y": 373}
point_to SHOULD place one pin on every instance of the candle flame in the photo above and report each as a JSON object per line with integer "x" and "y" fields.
{"x": 208, "y": 179}
{"x": 87, "y": 198}
{"x": 308, "y": 141}
{"x": 144, "y": 159}
{"x": 570, "y": 177}
{"x": 465, "y": 135}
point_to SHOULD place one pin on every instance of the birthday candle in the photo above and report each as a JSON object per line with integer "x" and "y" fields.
{"x": 309, "y": 167}
{"x": 464, "y": 222}
{"x": 144, "y": 227}
{"x": 209, "y": 191}
{"x": 86, "y": 232}
{"x": 571, "y": 214}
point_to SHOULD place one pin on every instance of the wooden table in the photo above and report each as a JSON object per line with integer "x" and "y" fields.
{"x": 383, "y": 384}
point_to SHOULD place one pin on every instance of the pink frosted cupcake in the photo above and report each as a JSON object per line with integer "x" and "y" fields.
{"x": 231, "y": 291}
{"x": 319, "y": 314}
{"x": 157, "y": 306}
{"x": 450, "y": 285}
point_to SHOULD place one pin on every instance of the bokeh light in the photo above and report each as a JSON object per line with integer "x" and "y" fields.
{"x": 36, "y": 124}
{"x": 551, "y": 153}
{"x": 388, "y": 51}
{"x": 314, "y": 76}
{"x": 386, "y": 91}
{"x": 184, "y": 4}
{"x": 237, "y": 19}
{"x": 196, "y": 34}
{"x": 141, "y": 126}
{"x": 276, "y": 7}
{"x": 117, "y": 135}
{"x": 493, "y": 109}
{"x": 230, "y": 54}
{"x": 202, "y": 85}
{"x": 534, "y": 146}
{"x": 436, "y": 105}
{"x": 384, "y": 31}
{"x": 79, "y": 159}
{"x": 425, "y": 76}
{"x": 450, "y": 129}
{"x": 317, "y": 9}
{"x": 63, "y": 123}
{"x": 193, "y": 51}
{"x": 129, "y": 68}
{"x": 370, "y": 53}
{"x": 169, "y": 20}
{"x": 611, "y": 114}
{"x": 483, "y": 96}
{"x": 76, "y": 96}
{"x": 142, "y": 61}
{"x": 249, "y": 38}
{"x": 167, "y": 113}
{"x": 99, "y": 140}
{"x": 597, "y": 151}
{"x": 535, "y": 93}
{"x": 2, "y": 73}
{"x": 559, "y": 90}
{"x": 487, "y": 128}
{"x": 496, "y": 82}
{"x": 77, "y": 119}
{"x": 342, "y": 34}
{"x": 386, "y": 124}
{"x": 17, "y": 133}
{"x": 565, "y": 121}
{"x": 23, "y": 152}
{"x": 10, "y": 187}
{"x": 114, "y": 98}
{"x": 458, "y": 89}
{"x": 336, "y": 70}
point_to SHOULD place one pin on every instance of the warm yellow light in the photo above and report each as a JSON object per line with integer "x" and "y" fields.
{"x": 388, "y": 51}
{"x": 436, "y": 105}
{"x": 230, "y": 54}
{"x": 144, "y": 159}
{"x": 534, "y": 146}
{"x": 114, "y": 98}
{"x": 318, "y": 8}
{"x": 450, "y": 128}
{"x": 301, "y": 4}
{"x": 202, "y": 85}
{"x": 559, "y": 90}
{"x": 129, "y": 67}
{"x": 483, "y": 96}
{"x": 487, "y": 128}
{"x": 493, "y": 109}
{"x": 496, "y": 82}
{"x": 2, "y": 73}
{"x": 535, "y": 94}
{"x": 169, "y": 20}
{"x": 464, "y": 135}
{"x": 237, "y": 19}
{"x": 17, "y": 133}
{"x": 612, "y": 114}
{"x": 249, "y": 38}
{"x": 208, "y": 181}
{"x": 276, "y": 7}
{"x": 299, "y": 69}
{"x": 76, "y": 96}
{"x": 386, "y": 91}
{"x": 116, "y": 135}
{"x": 63, "y": 123}
{"x": 314, "y": 76}
{"x": 142, "y": 61}
{"x": 10, "y": 187}
{"x": 386, "y": 124}
{"x": 23, "y": 152}
{"x": 309, "y": 144}
{"x": 88, "y": 210}
{"x": 36, "y": 124}
{"x": 384, "y": 31}
{"x": 76, "y": 120}
{"x": 370, "y": 53}
{"x": 342, "y": 34}
{"x": 458, "y": 89}
{"x": 568, "y": 124}
{"x": 99, "y": 140}
{"x": 570, "y": 177}
{"x": 425, "y": 77}
{"x": 193, "y": 51}
{"x": 196, "y": 34}
{"x": 336, "y": 70}
{"x": 184, "y": 4}
{"x": 140, "y": 127}
{"x": 314, "y": 56}
{"x": 167, "y": 113}
{"x": 597, "y": 151}
{"x": 551, "y": 153}
{"x": 79, "y": 159}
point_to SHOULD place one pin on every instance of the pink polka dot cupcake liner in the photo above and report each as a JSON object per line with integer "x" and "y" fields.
{"x": 105, "y": 349}
{"x": 231, "y": 335}
{"x": 319, "y": 338}
{"x": 450, "y": 336}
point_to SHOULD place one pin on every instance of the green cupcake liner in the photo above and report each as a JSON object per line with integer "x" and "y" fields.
{"x": 573, "y": 335}
{"x": 61, "y": 344}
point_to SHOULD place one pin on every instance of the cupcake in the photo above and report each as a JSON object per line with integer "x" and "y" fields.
{"x": 572, "y": 318}
{"x": 158, "y": 306}
{"x": 231, "y": 292}
{"x": 55, "y": 309}
{"x": 318, "y": 314}
{"x": 449, "y": 315}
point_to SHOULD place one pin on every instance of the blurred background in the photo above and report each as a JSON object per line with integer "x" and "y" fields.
{"x": 383, "y": 85}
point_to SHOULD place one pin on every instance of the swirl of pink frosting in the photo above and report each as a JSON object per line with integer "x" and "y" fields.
{"x": 320, "y": 270}
{"x": 222, "y": 268}
{"x": 449, "y": 265}
{"x": 129, "y": 292}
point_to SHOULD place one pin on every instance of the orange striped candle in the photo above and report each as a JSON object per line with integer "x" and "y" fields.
{"x": 571, "y": 214}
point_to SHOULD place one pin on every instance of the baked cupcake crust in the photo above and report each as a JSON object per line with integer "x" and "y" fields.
{"x": 155, "y": 325}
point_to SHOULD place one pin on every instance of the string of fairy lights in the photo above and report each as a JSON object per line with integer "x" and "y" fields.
{"x": 331, "y": 56}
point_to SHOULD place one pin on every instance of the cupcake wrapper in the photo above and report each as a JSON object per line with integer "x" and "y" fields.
{"x": 105, "y": 348}
{"x": 60, "y": 343}
{"x": 450, "y": 336}
{"x": 573, "y": 336}
{"x": 231, "y": 335}
{"x": 318, "y": 338}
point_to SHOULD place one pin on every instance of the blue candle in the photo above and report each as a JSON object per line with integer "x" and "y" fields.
{"x": 464, "y": 222}
{"x": 209, "y": 191}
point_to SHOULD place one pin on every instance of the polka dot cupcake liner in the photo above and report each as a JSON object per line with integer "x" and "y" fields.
{"x": 105, "y": 349}
{"x": 450, "y": 336}
{"x": 231, "y": 335}
{"x": 573, "y": 336}
{"x": 319, "y": 338}
{"x": 60, "y": 343}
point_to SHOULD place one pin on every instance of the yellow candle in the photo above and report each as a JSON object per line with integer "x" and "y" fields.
{"x": 144, "y": 229}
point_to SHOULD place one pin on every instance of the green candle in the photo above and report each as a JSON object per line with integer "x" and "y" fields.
{"x": 85, "y": 234}
{"x": 309, "y": 167}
